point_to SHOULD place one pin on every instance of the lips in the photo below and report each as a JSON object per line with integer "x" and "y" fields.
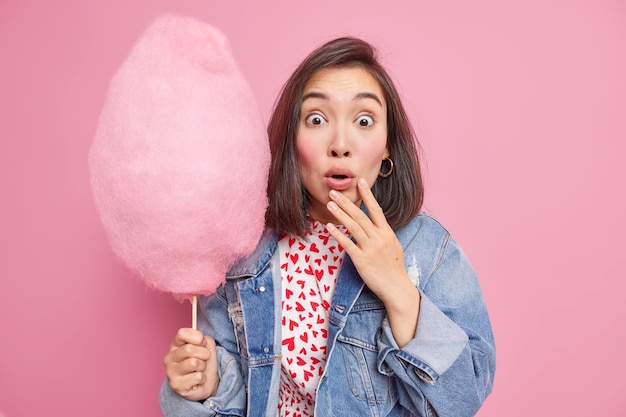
{"x": 339, "y": 179}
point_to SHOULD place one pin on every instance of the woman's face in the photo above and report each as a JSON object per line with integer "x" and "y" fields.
{"x": 342, "y": 135}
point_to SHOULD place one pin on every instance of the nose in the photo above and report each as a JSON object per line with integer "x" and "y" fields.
{"x": 339, "y": 146}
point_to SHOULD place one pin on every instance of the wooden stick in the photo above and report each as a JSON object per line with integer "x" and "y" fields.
{"x": 194, "y": 322}
{"x": 194, "y": 312}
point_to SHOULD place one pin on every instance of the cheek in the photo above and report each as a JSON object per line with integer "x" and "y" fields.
{"x": 374, "y": 154}
{"x": 307, "y": 152}
{"x": 372, "y": 158}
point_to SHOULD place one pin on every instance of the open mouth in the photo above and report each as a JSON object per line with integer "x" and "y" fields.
{"x": 339, "y": 182}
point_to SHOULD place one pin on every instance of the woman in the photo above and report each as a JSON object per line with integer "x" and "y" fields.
{"x": 354, "y": 303}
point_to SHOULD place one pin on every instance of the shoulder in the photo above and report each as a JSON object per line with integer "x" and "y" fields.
{"x": 427, "y": 244}
{"x": 258, "y": 258}
{"x": 424, "y": 227}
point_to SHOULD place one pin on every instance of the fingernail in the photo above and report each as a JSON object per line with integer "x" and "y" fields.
{"x": 332, "y": 206}
{"x": 330, "y": 227}
{"x": 334, "y": 194}
{"x": 362, "y": 183}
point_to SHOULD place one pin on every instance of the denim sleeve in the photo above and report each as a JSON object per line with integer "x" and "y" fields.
{"x": 449, "y": 366}
{"x": 230, "y": 398}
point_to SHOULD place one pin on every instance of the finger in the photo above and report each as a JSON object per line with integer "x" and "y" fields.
{"x": 200, "y": 377}
{"x": 190, "y": 365}
{"x": 351, "y": 209}
{"x": 195, "y": 353}
{"x": 184, "y": 375}
{"x": 374, "y": 210}
{"x": 342, "y": 239}
{"x": 187, "y": 336}
{"x": 189, "y": 351}
{"x": 212, "y": 363}
{"x": 211, "y": 351}
{"x": 348, "y": 214}
{"x": 187, "y": 384}
{"x": 348, "y": 222}
{"x": 209, "y": 342}
{"x": 209, "y": 366}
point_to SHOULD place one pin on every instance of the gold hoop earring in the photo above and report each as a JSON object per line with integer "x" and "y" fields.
{"x": 389, "y": 171}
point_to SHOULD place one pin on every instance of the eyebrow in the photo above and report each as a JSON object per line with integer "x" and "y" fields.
{"x": 358, "y": 96}
{"x": 366, "y": 95}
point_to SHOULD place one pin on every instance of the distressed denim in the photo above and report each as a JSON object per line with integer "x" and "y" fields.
{"x": 447, "y": 370}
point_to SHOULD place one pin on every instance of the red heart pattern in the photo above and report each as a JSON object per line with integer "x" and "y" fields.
{"x": 305, "y": 304}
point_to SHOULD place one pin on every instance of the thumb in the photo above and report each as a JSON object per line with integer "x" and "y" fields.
{"x": 212, "y": 365}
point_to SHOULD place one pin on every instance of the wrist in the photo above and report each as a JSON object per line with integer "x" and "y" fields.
{"x": 403, "y": 314}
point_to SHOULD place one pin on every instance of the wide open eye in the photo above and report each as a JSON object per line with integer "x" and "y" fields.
{"x": 365, "y": 121}
{"x": 315, "y": 119}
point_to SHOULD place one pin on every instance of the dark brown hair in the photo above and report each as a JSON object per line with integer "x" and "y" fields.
{"x": 400, "y": 195}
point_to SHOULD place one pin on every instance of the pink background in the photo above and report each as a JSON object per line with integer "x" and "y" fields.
{"x": 521, "y": 111}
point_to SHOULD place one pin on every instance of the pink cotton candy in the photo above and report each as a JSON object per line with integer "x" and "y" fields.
{"x": 180, "y": 157}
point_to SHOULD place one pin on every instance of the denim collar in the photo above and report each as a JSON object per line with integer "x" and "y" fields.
{"x": 253, "y": 264}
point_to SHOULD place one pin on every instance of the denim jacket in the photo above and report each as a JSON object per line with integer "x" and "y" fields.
{"x": 447, "y": 370}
